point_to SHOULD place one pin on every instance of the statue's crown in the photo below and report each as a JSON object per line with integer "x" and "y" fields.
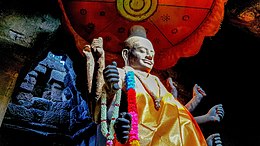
{"x": 137, "y": 30}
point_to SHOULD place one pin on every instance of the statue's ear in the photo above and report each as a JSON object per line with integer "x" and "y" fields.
{"x": 125, "y": 56}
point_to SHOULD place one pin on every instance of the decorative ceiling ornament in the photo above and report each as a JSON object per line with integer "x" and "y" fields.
{"x": 175, "y": 27}
{"x": 136, "y": 10}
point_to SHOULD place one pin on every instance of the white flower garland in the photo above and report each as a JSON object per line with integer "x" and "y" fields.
{"x": 109, "y": 133}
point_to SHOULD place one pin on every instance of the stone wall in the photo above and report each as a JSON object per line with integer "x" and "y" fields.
{"x": 24, "y": 25}
{"x": 49, "y": 104}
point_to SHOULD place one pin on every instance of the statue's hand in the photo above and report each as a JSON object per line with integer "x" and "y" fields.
{"x": 216, "y": 113}
{"x": 214, "y": 140}
{"x": 198, "y": 92}
{"x": 97, "y": 46}
{"x": 122, "y": 127}
{"x": 111, "y": 77}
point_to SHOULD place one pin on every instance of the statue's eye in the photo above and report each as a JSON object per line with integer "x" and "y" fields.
{"x": 142, "y": 50}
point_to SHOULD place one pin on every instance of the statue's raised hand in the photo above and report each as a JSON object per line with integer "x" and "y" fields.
{"x": 198, "y": 92}
{"x": 97, "y": 46}
{"x": 111, "y": 76}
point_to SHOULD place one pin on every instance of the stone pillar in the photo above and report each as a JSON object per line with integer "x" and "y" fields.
{"x": 6, "y": 89}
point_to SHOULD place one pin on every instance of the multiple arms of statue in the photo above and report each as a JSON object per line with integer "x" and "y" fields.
{"x": 216, "y": 113}
{"x": 95, "y": 58}
{"x": 123, "y": 123}
{"x": 197, "y": 95}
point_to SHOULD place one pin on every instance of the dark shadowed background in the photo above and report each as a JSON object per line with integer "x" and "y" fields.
{"x": 227, "y": 69}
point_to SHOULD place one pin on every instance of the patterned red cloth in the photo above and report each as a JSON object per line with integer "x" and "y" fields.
{"x": 176, "y": 28}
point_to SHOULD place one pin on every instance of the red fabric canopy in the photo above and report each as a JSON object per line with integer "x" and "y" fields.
{"x": 176, "y": 28}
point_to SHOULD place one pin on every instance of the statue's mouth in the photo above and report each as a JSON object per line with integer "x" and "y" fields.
{"x": 150, "y": 62}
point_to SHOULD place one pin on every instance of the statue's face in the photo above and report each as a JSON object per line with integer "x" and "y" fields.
{"x": 141, "y": 56}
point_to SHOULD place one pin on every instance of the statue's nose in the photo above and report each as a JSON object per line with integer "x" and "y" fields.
{"x": 149, "y": 56}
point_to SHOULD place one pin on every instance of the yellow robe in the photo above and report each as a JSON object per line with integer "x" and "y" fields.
{"x": 171, "y": 125}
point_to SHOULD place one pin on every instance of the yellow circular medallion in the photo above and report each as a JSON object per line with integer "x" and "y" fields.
{"x": 136, "y": 10}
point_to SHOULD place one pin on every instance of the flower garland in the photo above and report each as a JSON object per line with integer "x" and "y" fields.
{"x": 109, "y": 134}
{"x": 132, "y": 108}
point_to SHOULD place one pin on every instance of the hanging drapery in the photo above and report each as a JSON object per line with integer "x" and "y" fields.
{"x": 176, "y": 28}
